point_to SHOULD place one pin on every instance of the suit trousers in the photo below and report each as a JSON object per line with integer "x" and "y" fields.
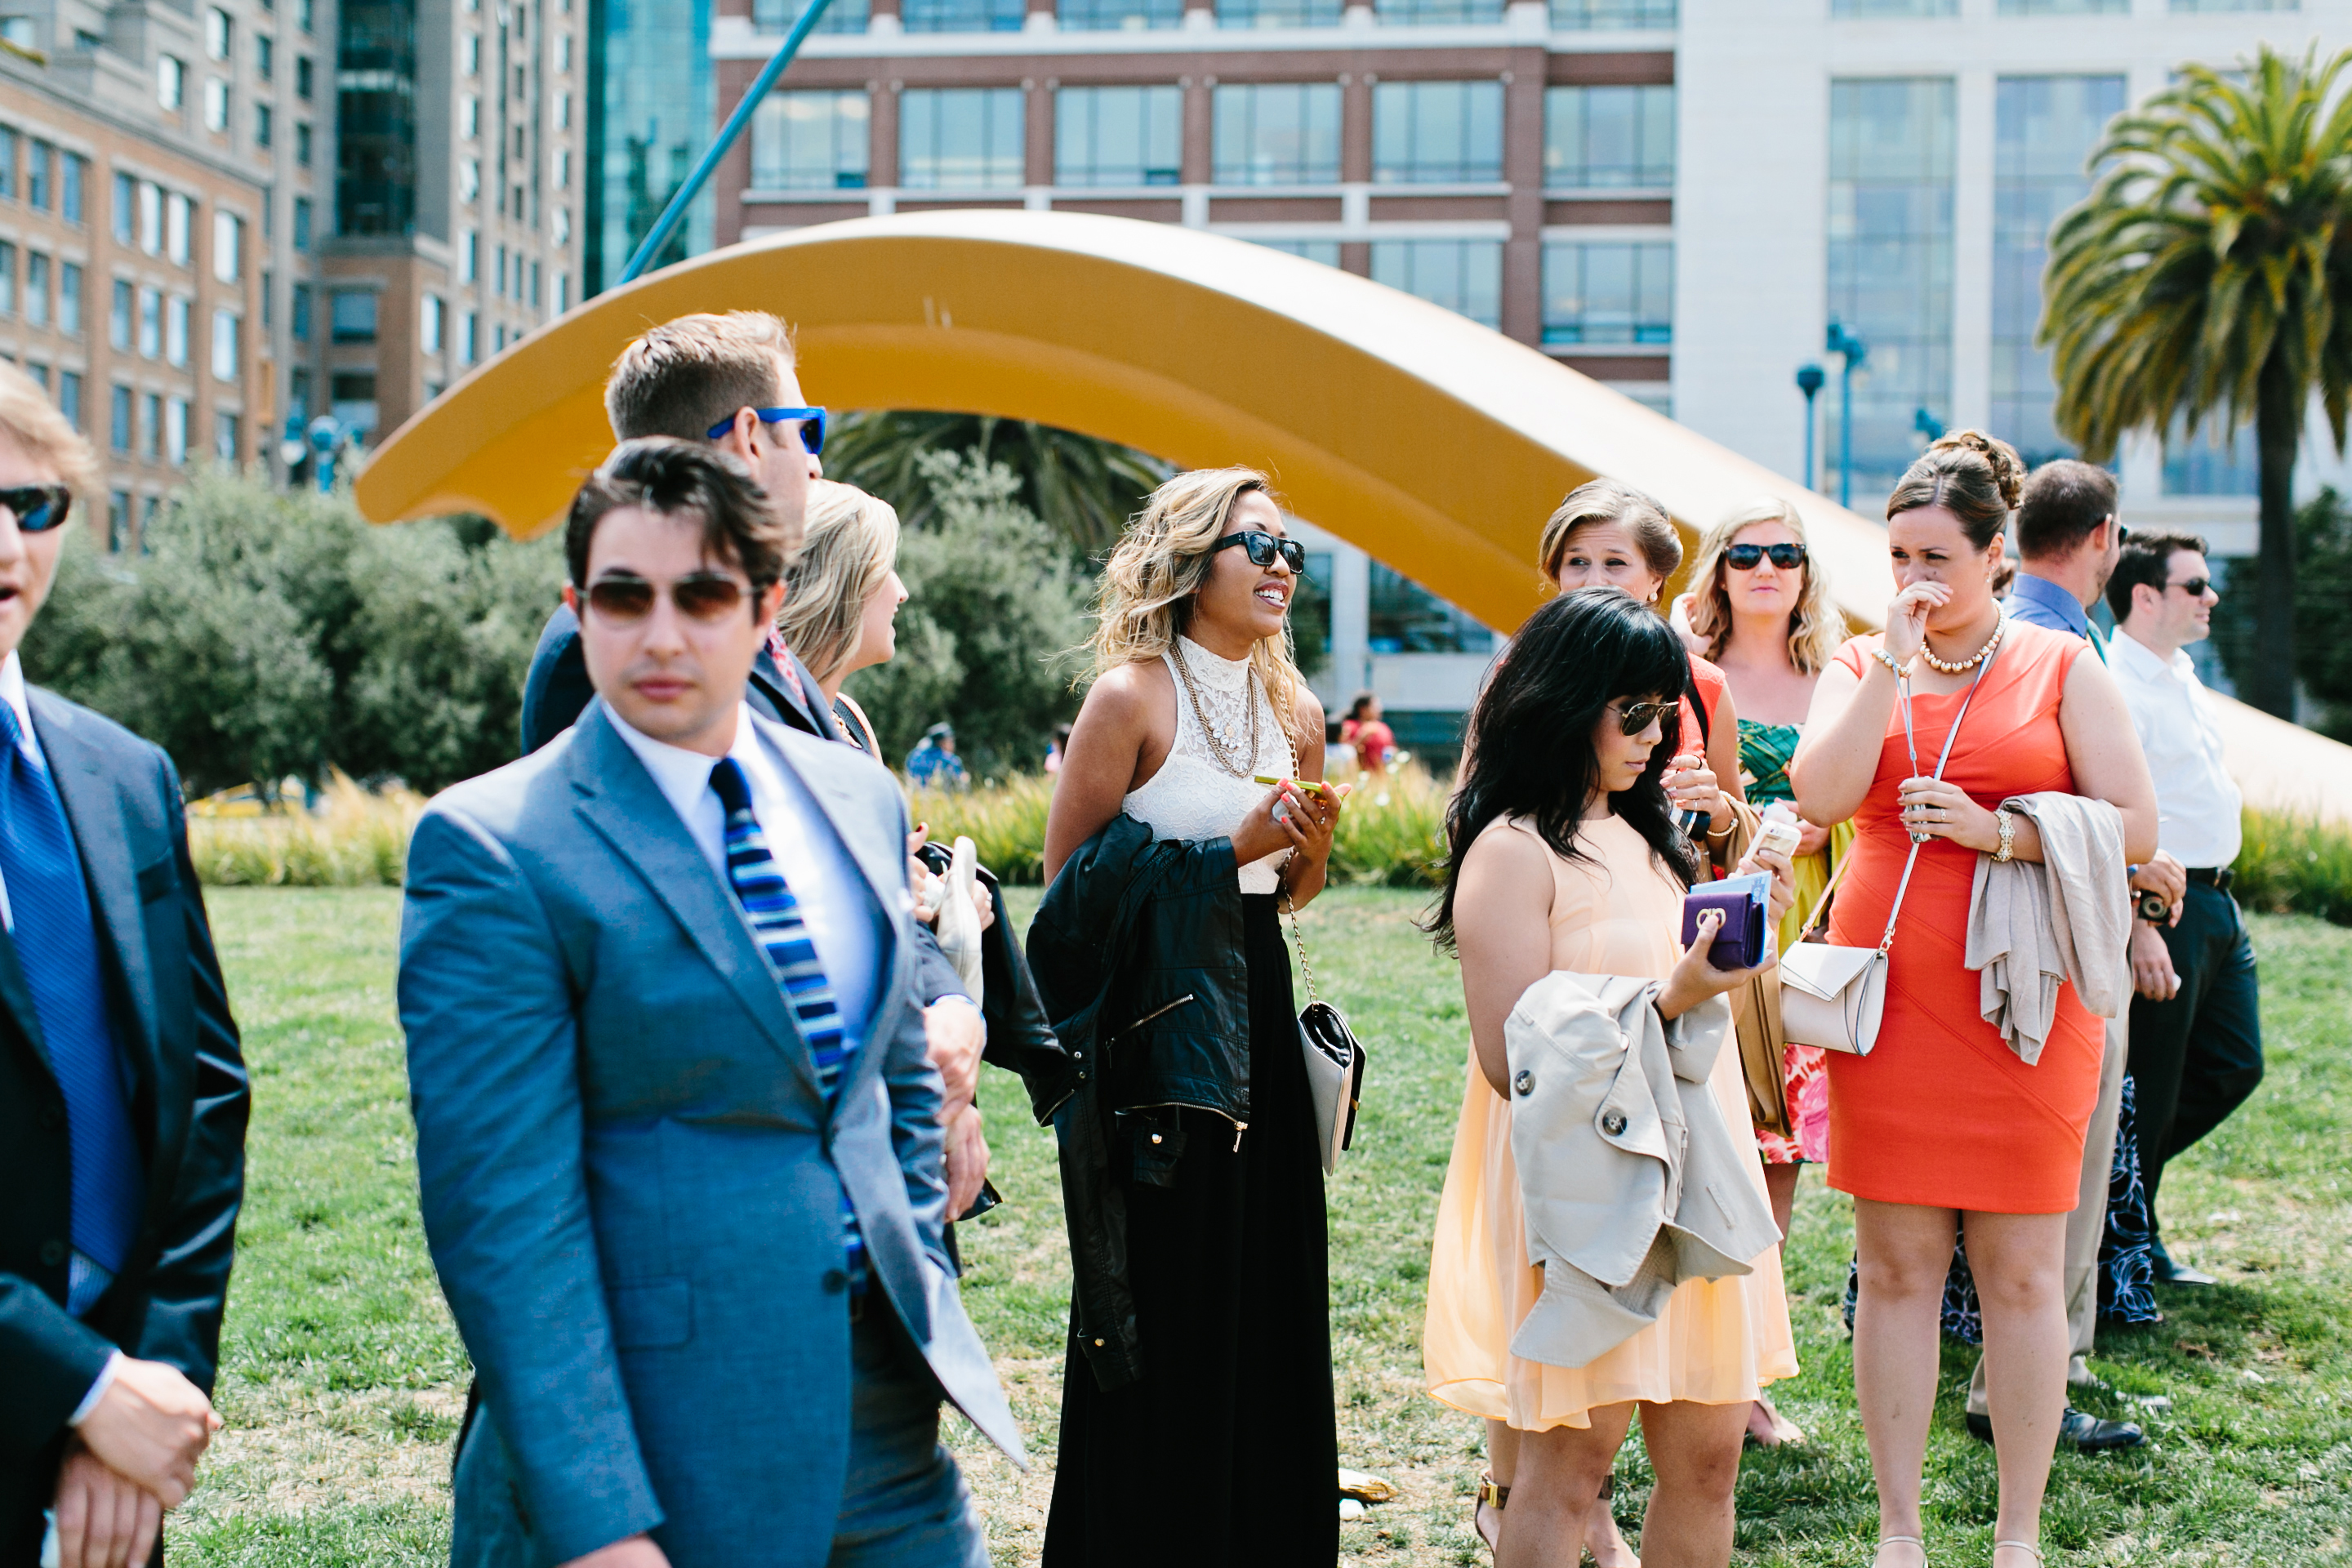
{"x": 2195, "y": 1059}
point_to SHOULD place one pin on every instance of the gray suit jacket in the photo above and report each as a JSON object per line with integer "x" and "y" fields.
{"x": 630, "y": 1180}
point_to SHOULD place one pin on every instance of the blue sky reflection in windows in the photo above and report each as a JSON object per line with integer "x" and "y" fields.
{"x": 1278, "y": 12}
{"x": 1890, "y": 259}
{"x": 1437, "y": 13}
{"x": 962, "y": 15}
{"x": 1118, "y": 16}
{"x": 2214, "y": 461}
{"x": 1437, "y": 132}
{"x": 1326, "y": 251}
{"x": 776, "y": 17}
{"x": 1893, "y": 8}
{"x": 2065, "y": 7}
{"x": 810, "y": 141}
{"x": 1466, "y": 275}
{"x": 2044, "y": 127}
{"x": 1610, "y": 15}
{"x": 1118, "y": 136}
{"x": 1612, "y": 138}
{"x": 1402, "y": 617}
{"x": 1277, "y": 133}
{"x": 959, "y": 138}
{"x": 1606, "y": 291}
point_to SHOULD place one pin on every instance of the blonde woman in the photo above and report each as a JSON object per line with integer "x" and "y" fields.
{"x": 1197, "y": 1417}
{"x": 1760, "y": 613}
{"x": 841, "y": 610}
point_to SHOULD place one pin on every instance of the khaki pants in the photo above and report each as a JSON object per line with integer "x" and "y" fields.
{"x": 2087, "y": 1226}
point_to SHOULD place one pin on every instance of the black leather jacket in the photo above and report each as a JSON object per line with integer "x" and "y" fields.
{"x": 1136, "y": 952}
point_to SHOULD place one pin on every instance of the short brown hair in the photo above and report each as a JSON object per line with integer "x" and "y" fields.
{"x": 672, "y": 476}
{"x": 684, "y": 377}
{"x": 2147, "y": 561}
{"x": 27, "y": 415}
{"x": 1973, "y": 476}
{"x": 1606, "y": 501}
{"x": 2063, "y": 501}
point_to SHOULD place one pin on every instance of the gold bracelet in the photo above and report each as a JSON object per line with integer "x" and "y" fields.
{"x": 2008, "y": 826}
{"x": 1711, "y": 833}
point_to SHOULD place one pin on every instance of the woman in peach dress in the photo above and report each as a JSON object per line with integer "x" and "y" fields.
{"x": 1566, "y": 857}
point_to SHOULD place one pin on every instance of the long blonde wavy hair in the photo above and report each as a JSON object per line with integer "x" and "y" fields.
{"x": 1159, "y": 562}
{"x": 1815, "y": 628}
{"x": 846, "y": 555}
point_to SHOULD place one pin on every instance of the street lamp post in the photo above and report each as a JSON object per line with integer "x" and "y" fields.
{"x": 1808, "y": 382}
{"x": 1845, "y": 344}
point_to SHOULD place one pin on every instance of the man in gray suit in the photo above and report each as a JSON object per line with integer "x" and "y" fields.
{"x": 676, "y": 1135}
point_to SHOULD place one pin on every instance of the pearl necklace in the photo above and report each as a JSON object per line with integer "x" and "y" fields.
{"x": 1974, "y": 660}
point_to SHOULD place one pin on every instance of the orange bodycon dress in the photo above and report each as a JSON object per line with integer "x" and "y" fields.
{"x": 1943, "y": 1113}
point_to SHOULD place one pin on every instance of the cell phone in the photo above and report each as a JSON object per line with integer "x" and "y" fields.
{"x": 1780, "y": 830}
{"x": 1307, "y": 785}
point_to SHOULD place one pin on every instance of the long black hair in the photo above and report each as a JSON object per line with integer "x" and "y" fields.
{"x": 1530, "y": 747}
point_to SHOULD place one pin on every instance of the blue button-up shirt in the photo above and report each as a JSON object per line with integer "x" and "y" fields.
{"x": 2039, "y": 602}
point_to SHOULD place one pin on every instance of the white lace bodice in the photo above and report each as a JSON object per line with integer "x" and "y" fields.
{"x": 1191, "y": 796}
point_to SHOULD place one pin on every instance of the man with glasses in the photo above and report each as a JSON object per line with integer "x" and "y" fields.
{"x": 2196, "y": 1033}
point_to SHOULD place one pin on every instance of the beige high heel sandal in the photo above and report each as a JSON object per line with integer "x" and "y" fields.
{"x": 2034, "y": 1551}
{"x": 1886, "y": 1541}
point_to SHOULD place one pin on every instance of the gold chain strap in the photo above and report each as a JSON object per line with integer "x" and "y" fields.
{"x": 1304, "y": 968}
{"x": 1217, "y": 747}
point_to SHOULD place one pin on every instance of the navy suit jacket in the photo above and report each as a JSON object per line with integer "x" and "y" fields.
{"x": 189, "y": 1104}
{"x": 631, "y": 1180}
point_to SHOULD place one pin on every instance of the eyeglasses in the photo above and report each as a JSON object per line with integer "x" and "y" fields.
{"x": 810, "y": 420}
{"x": 1636, "y": 717}
{"x": 1264, "y": 547}
{"x": 2195, "y": 587}
{"x": 1787, "y": 557}
{"x": 39, "y": 508}
{"x": 705, "y": 597}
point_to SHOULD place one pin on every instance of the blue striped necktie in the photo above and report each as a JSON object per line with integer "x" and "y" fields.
{"x": 56, "y": 942}
{"x": 784, "y": 935}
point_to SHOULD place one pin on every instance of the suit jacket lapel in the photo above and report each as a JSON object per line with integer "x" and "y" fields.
{"x": 629, "y": 812}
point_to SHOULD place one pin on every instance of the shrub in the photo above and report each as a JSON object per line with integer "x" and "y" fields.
{"x": 359, "y": 839}
{"x": 2296, "y": 865}
{"x": 1005, "y": 822}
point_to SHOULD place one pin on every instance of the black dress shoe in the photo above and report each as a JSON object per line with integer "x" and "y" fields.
{"x": 2084, "y": 1433}
{"x": 2181, "y": 1274}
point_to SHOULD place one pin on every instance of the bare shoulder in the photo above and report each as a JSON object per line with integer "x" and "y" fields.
{"x": 1503, "y": 854}
{"x": 1128, "y": 693}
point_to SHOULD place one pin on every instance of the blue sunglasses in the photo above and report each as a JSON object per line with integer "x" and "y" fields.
{"x": 811, "y": 421}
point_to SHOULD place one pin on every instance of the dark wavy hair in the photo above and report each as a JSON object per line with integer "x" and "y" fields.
{"x": 1528, "y": 752}
{"x": 663, "y": 474}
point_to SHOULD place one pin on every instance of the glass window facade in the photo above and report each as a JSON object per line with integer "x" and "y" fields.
{"x": 1277, "y": 133}
{"x": 1462, "y": 275}
{"x": 2044, "y": 129}
{"x": 1326, "y": 251}
{"x": 375, "y": 111}
{"x": 1118, "y": 16}
{"x": 2236, "y": 5}
{"x": 809, "y": 141}
{"x": 1578, "y": 15}
{"x": 777, "y": 17}
{"x": 1609, "y": 138}
{"x": 1437, "y": 132}
{"x": 1890, "y": 259}
{"x": 1869, "y": 8}
{"x": 1438, "y": 13}
{"x": 1278, "y": 12}
{"x": 1119, "y": 135}
{"x": 1402, "y": 617}
{"x": 959, "y": 138}
{"x": 2065, "y": 7}
{"x": 1608, "y": 292}
{"x": 962, "y": 16}
{"x": 2210, "y": 463}
{"x": 650, "y": 113}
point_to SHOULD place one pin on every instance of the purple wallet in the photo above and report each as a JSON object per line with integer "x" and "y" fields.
{"x": 1743, "y": 901}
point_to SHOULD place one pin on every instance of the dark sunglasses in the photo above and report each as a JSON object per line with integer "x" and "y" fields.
{"x": 1787, "y": 557}
{"x": 810, "y": 420}
{"x": 701, "y": 596}
{"x": 1264, "y": 547}
{"x": 1636, "y": 717}
{"x": 39, "y": 508}
{"x": 2195, "y": 587}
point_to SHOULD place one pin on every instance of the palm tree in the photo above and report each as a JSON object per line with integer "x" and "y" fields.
{"x": 1083, "y": 488}
{"x": 2198, "y": 287}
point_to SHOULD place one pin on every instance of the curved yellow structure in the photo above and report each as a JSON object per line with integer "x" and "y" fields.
{"x": 1436, "y": 444}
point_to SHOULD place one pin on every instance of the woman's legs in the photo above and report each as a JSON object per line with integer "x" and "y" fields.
{"x": 1905, "y": 1250}
{"x": 1695, "y": 1452}
{"x": 1557, "y": 1488}
{"x": 1780, "y": 1186}
{"x": 2019, "y": 1260}
{"x": 1765, "y": 1424}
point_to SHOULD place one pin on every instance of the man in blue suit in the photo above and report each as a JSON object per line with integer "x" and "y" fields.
{"x": 676, "y": 1135}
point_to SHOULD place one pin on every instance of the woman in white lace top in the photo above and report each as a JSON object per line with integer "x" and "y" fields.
{"x": 1197, "y": 698}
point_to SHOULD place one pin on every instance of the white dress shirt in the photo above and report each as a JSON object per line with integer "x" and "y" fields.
{"x": 2197, "y": 800}
{"x": 844, "y": 920}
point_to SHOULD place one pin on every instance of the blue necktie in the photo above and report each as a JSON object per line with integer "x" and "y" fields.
{"x": 775, "y": 917}
{"x": 56, "y": 942}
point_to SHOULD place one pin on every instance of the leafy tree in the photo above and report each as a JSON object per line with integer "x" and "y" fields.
{"x": 993, "y": 609}
{"x": 1084, "y": 488}
{"x": 2198, "y": 283}
{"x": 2322, "y": 609}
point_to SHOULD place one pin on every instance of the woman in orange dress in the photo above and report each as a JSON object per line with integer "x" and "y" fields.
{"x": 1943, "y": 1123}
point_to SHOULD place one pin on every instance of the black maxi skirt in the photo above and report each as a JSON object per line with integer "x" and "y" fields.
{"x": 1225, "y": 1453}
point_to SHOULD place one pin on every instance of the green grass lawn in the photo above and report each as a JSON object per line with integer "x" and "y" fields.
{"x": 343, "y": 1380}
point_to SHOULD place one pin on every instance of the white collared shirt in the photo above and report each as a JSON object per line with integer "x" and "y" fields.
{"x": 844, "y": 920}
{"x": 2197, "y": 800}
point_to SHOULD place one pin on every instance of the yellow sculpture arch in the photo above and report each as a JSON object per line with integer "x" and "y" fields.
{"x": 1437, "y": 445}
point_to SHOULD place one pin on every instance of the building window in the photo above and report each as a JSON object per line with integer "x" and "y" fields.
{"x": 1278, "y": 12}
{"x": 470, "y": 116}
{"x": 38, "y": 159}
{"x": 39, "y": 373}
{"x": 73, "y": 182}
{"x": 1437, "y": 132}
{"x": 297, "y": 393}
{"x": 562, "y": 175}
{"x": 562, "y": 301}
{"x": 1608, "y": 292}
{"x": 1901, "y": 8}
{"x": 151, "y": 423}
{"x": 1609, "y": 138}
{"x": 498, "y": 271}
{"x": 151, "y": 322}
{"x": 21, "y": 31}
{"x": 960, "y": 138}
{"x": 302, "y": 78}
{"x": 170, "y": 81}
{"x": 1119, "y": 135}
{"x": 70, "y": 298}
{"x": 268, "y": 300}
{"x": 299, "y": 313}
{"x": 1464, "y": 275}
{"x": 305, "y": 16}
{"x": 2065, "y": 7}
{"x": 178, "y": 212}
{"x": 1600, "y": 16}
{"x": 265, "y": 126}
{"x": 563, "y": 40}
{"x": 226, "y": 437}
{"x": 302, "y": 144}
{"x": 808, "y": 141}
{"x": 118, "y": 519}
{"x": 1120, "y": 16}
{"x": 352, "y": 400}
{"x": 8, "y": 278}
{"x": 176, "y": 309}
{"x": 429, "y": 314}
{"x": 37, "y": 289}
{"x": 225, "y": 336}
{"x": 777, "y": 17}
{"x": 2212, "y": 461}
{"x": 1277, "y": 133}
{"x": 301, "y": 222}
{"x": 126, "y": 209}
{"x": 176, "y": 431}
{"x": 560, "y": 226}
{"x": 117, "y": 316}
{"x": 469, "y": 256}
{"x": 219, "y": 34}
{"x": 1890, "y": 259}
{"x": 353, "y": 320}
{"x": 150, "y": 218}
{"x": 1326, "y": 251}
{"x": 70, "y": 396}
{"x": 7, "y": 163}
{"x": 2044, "y": 129}
{"x": 265, "y": 57}
{"x": 962, "y": 15}
{"x": 228, "y": 236}
{"x": 469, "y": 338}
{"x": 470, "y": 54}
{"x": 119, "y": 417}
{"x": 216, "y": 105}
{"x": 1402, "y": 617}
{"x": 563, "y": 111}
{"x": 1438, "y": 13}
{"x": 469, "y": 180}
